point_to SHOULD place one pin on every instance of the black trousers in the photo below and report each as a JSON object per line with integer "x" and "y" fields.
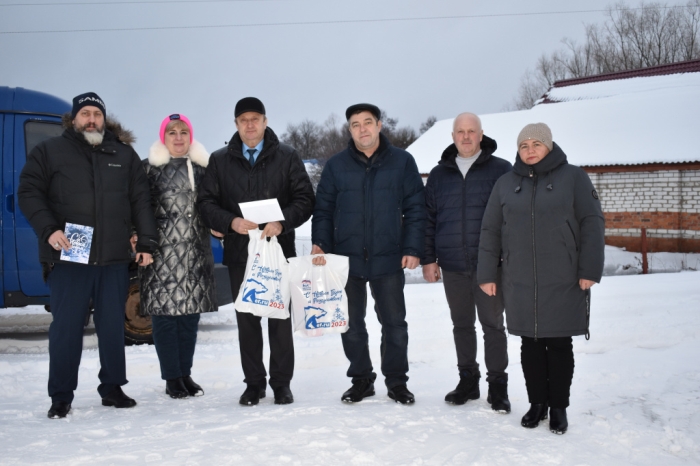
{"x": 250, "y": 339}
{"x": 466, "y": 300}
{"x": 548, "y": 366}
{"x": 175, "y": 338}
{"x": 72, "y": 286}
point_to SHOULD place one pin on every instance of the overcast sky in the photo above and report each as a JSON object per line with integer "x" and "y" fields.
{"x": 153, "y": 58}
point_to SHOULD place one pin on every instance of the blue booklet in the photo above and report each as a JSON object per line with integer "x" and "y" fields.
{"x": 80, "y": 237}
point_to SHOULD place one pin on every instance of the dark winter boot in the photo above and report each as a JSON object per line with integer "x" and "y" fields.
{"x": 401, "y": 394}
{"x": 359, "y": 390}
{"x": 176, "y": 388}
{"x": 467, "y": 389}
{"x": 118, "y": 399}
{"x": 498, "y": 396}
{"x": 557, "y": 420}
{"x": 537, "y": 413}
{"x": 59, "y": 410}
{"x": 192, "y": 387}
{"x": 252, "y": 395}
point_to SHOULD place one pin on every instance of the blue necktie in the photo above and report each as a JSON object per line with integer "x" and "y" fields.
{"x": 251, "y": 153}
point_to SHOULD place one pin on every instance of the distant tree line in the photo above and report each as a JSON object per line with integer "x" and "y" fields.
{"x": 319, "y": 142}
{"x": 630, "y": 38}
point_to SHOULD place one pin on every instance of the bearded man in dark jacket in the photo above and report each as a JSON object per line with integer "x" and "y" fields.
{"x": 88, "y": 176}
{"x": 370, "y": 207}
{"x": 256, "y": 166}
{"x": 456, "y": 193}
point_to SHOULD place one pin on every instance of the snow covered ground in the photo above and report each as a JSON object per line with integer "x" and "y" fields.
{"x": 635, "y": 397}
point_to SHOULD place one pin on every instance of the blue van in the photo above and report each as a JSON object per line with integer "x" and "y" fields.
{"x": 27, "y": 118}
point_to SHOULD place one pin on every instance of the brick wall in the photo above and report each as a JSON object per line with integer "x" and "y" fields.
{"x": 665, "y": 202}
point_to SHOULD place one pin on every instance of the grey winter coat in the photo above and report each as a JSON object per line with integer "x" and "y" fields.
{"x": 180, "y": 280}
{"x": 546, "y": 223}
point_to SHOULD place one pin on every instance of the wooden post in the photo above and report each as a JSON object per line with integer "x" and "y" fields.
{"x": 645, "y": 263}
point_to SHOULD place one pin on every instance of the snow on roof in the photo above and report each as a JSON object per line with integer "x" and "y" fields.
{"x": 597, "y": 90}
{"x": 622, "y": 122}
{"x": 689, "y": 66}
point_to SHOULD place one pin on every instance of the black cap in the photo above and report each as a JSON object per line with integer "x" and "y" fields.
{"x": 249, "y": 104}
{"x": 357, "y": 108}
{"x": 83, "y": 100}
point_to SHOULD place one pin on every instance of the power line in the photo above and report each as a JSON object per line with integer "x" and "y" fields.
{"x": 135, "y": 2}
{"x": 313, "y": 23}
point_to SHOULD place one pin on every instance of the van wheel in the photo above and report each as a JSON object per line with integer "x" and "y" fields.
{"x": 137, "y": 328}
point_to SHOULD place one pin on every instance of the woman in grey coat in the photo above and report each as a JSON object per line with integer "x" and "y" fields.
{"x": 179, "y": 285}
{"x": 544, "y": 224}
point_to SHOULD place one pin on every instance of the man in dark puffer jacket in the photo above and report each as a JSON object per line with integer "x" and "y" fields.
{"x": 256, "y": 166}
{"x": 88, "y": 176}
{"x": 370, "y": 207}
{"x": 457, "y": 192}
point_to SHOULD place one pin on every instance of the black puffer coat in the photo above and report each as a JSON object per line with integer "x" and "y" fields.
{"x": 546, "y": 221}
{"x": 229, "y": 179}
{"x": 66, "y": 179}
{"x": 180, "y": 280}
{"x": 456, "y": 206}
{"x": 372, "y": 211}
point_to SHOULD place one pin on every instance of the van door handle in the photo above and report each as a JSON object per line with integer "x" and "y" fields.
{"x": 10, "y": 203}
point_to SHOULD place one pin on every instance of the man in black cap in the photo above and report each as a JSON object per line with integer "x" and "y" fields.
{"x": 370, "y": 207}
{"x": 89, "y": 177}
{"x": 256, "y": 166}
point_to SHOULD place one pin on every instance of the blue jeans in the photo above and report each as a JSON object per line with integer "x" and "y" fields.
{"x": 72, "y": 286}
{"x": 175, "y": 338}
{"x": 390, "y": 306}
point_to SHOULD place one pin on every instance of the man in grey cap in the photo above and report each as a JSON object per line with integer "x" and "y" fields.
{"x": 370, "y": 207}
{"x": 256, "y": 166}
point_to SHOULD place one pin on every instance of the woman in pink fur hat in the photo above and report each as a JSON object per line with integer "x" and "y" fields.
{"x": 180, "y": 284}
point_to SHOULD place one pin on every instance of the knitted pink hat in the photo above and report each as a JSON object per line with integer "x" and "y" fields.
{"x": 175, "y": 116}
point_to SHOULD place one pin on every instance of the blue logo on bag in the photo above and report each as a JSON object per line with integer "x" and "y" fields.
{"x": 252, "y": 288}
{"x": 312, "y": 314}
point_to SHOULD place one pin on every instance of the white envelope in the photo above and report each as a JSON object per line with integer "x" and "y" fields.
{"x": 267, "y": 210}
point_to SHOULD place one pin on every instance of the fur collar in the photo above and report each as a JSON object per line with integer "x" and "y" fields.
{"x": 159, "y": 155}
{"x": 111, "y": 124}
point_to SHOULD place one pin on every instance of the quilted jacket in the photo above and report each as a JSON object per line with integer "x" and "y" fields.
{"x": 456, "y": 206}
{"x": 180, "y": 280}
{"x": 371, "y": 210}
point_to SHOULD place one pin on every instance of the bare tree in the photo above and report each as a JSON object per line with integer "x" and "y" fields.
{"x": 305, "y": 138}
{"x": 318, "y": 143}
{"x": 630, "y": 38}
{"x": 334, "y": 138}
{"x": 427, "y": 124}
{"x": 399, "y": 137}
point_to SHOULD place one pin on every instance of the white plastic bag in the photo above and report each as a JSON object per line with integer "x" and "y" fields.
{"x": 319, "y": 302}
{"x": 265, "y": 288}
